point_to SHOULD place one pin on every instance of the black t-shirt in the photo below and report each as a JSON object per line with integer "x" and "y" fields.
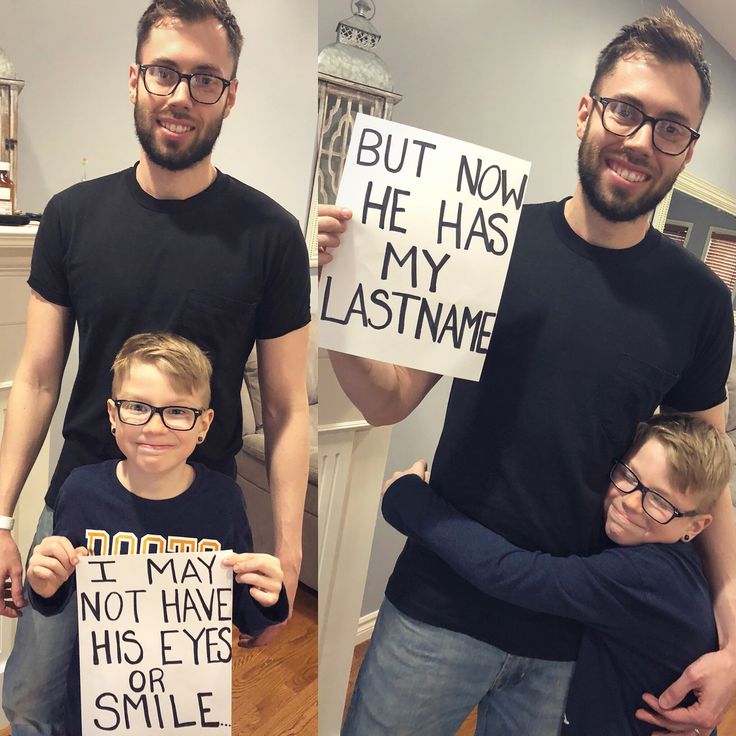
{"x": 588, "y": 342}
{"x": 222, "y": 268}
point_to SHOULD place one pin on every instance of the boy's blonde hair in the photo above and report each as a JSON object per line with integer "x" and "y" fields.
{"x": 698, "y": 455}
{"x": 179, "y": 359}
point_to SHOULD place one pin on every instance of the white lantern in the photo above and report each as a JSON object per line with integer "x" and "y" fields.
{"x": 352, "y": 79}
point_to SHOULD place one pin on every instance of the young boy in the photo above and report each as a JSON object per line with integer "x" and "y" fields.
{"x": 159, "y": 413}
{"x": 644, "y": 600}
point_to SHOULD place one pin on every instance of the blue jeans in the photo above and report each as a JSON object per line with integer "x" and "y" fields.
{"x": 34, "y": 688}
{"x": 420, "y": 679}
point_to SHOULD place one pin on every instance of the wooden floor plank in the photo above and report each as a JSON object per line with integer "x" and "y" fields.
{"x": 275, "y": 687}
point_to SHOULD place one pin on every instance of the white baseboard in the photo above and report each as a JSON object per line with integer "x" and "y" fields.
{"x": 366, "y": 625}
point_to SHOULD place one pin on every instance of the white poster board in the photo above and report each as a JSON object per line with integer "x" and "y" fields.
{"x": 155, "y": 644}
{"x": 418, "y": 277}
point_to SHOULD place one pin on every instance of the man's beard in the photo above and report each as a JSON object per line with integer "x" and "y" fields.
{"x": 611, "y": 206}
{"x": 173, "y": 158}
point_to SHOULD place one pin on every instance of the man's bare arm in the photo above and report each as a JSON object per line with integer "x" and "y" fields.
{"x": 31, "y": 405}
{"x": 282, "y": 363}
{"x": 718, "y": 550}
{"x": 383, "y": 392}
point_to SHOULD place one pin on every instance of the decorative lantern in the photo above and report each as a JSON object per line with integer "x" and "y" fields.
{"x": 10, "y": 88}
{"x": 352, "y": 79}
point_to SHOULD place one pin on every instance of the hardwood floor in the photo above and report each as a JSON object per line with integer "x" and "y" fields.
{"x": 726, "y": 728}
{"x": 275, "y": 687}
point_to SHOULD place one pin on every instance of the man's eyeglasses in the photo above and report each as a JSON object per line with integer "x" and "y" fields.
{"x": 138, "y": 413}
{"x": 654, "y": 504}
{"x": 162, "y": 81}
{"x": 624, "y": 119}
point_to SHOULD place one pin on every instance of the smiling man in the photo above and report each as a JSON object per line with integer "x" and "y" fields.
{"x": 603, "y": 319}
{"x": 170, "y": 244}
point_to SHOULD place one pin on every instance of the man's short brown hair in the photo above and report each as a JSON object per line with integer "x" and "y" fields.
{"x": 191, "y": 11}
{"x": 666, "y": 38}
{"x": 179, "y": 359}
{"x": 698, "y": 455}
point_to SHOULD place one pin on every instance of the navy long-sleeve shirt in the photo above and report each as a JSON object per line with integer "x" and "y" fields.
{"x": 94, "y": 506}
{"x": 647, "y": 609}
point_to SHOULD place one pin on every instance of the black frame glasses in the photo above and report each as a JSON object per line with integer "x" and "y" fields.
{"x": 657, "y": 123}
{"x": 143, "y": 72}
{"x": 662, "y": 505}
{"x": 161, "y": 411}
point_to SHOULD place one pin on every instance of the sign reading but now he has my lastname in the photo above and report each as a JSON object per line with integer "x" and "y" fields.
{"x": 155, "y": 644}
{"x": 418, "y": 278}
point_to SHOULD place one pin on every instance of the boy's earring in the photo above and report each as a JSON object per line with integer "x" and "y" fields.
{"x": 112, "y": 430}
{"x": 686, "y": 538}
{"x": 200, "y": 440}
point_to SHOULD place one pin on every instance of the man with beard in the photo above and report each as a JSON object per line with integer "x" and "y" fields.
{"x": 171, "y": 244}
{"x": 602, "y": 320}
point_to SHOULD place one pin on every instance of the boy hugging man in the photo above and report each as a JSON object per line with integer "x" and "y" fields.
{"x": 153, "y": 500}
{"x": 644, "y": 600}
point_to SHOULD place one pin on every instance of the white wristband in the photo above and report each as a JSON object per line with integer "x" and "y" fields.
{"x": 7, "y": 522}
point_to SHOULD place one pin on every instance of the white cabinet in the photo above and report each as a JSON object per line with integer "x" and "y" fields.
{"x": 352, "y": 457}
{"x": 16, "y": 245}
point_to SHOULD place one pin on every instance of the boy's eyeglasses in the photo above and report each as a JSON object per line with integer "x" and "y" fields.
{"x": 624, "y": 119}
{"x": 654, "y": 504}
{"x": 162, "y": 81}
{"x": 138, "y": 413}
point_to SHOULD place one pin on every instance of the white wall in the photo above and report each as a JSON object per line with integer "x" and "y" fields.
{"x": 486, "y": 71}
{"x": 74, "y": 57}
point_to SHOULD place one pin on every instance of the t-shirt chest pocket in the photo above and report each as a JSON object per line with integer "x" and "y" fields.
{"x": 216, "y": 323}
{"x": 637, "y": 389}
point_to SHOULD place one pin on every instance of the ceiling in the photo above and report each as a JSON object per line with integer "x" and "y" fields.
{"x": 718, "y": 17}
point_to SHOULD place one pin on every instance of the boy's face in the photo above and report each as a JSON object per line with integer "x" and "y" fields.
{"x": 153, "y": 448}
{"x": 626, "y": 521}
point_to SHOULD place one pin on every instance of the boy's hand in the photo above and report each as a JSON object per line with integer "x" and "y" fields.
{"x": 331, "y": 224}
{"x": 418, "y": 468}
{"x": 262, "y": 572}
{"x": 52, "y": 564}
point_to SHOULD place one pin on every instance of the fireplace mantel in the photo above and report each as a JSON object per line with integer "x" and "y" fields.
{"x": 16, "y": 247}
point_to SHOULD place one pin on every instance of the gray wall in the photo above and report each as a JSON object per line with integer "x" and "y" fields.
{"x": 74, "y": 58}
{"x": 702, "y": 216}
{"x": 484, "y": 72}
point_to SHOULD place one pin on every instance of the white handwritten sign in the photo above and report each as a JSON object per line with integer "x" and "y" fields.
{"x": 418, "y": 278}
{"x": 155, "y": 644}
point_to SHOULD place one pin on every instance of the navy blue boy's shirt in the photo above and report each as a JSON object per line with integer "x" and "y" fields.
{"x": 646, "y": 609}
{"x": 93, "y": 507}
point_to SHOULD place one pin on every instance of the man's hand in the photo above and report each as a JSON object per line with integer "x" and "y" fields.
{"x": 713, "y": 680}
{"x": 418, "y": 468}
{"x": 52, "y": 563}
{"x": 331, "y": 224}
{"x": 11, "y": 570}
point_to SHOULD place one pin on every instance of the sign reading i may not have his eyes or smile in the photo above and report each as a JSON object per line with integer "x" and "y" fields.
{"x": 155, "y": 644}
{"x": 417, "y": 280}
